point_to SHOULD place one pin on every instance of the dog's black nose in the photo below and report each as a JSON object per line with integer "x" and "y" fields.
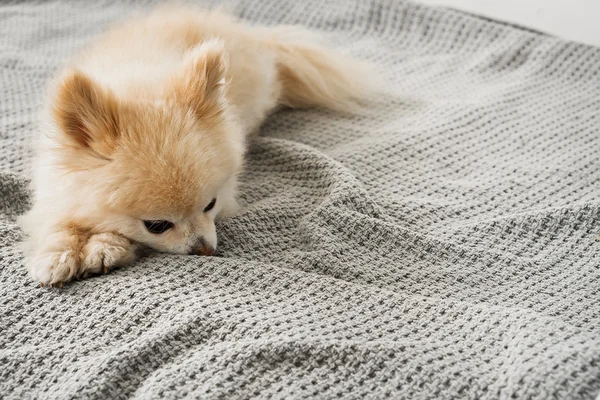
{"x": 202, "y": 249}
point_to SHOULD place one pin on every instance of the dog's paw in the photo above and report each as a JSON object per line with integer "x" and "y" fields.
{"x": 104, "y": 251}
{"x": 54, "y": 267}
{"x": 68, "y": 256}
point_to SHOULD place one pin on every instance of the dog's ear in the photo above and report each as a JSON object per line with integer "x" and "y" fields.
{"x": 86, "y": 114}
{"x": 201, "y": 83}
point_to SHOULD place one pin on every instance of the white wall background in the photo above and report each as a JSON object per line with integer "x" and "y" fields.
{"x": 577, "y": 20}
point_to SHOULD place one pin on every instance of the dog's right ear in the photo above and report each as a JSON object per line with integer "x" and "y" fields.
{"x": 86, "y": 114}
{"x": 201, "y": 83}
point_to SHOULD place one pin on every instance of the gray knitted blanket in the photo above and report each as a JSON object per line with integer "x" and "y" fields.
{"x": 443, "y": 246}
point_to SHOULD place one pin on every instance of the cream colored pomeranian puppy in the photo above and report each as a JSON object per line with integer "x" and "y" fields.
{"x": 144, "y": 134}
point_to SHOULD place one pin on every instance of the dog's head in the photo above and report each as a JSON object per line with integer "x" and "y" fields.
{"x": 160, "y": 168}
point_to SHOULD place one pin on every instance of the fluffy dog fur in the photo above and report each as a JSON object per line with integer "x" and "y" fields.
{"x": 150, "y": 122}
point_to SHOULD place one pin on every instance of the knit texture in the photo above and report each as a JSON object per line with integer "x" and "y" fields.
{"x": 443, "y": 245}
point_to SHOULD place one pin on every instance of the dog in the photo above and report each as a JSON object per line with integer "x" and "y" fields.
{"x": 144, "y": 134}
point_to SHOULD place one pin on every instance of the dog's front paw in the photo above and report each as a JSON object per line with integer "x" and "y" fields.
{"x": 105, "y": 251}
{"x": 54, "y": 267}
{"x": 68, "y": 255}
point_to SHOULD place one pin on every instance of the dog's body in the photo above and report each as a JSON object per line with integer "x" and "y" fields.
{"x": 144, "y": 135}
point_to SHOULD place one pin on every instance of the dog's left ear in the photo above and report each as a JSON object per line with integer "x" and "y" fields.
{"x": 86, "y": 113}
{"x": 201, "y": 83}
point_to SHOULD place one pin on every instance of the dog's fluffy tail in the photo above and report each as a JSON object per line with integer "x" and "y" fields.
{"x": 312, "y": 75}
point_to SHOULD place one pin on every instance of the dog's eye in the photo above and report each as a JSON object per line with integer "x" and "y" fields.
{"x": 158, "y": 227}
{"x": 210, "y": 205}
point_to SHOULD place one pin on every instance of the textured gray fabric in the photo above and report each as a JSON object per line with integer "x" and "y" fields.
{"x": 443, "y": 246}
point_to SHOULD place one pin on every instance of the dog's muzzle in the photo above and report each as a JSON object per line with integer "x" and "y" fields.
{"x": 202, "y": 249}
